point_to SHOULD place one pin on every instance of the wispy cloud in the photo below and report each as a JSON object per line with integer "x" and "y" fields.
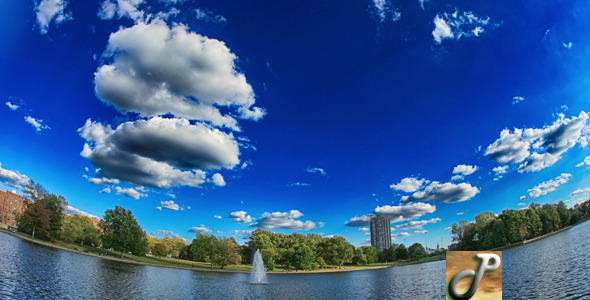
{"x": 457, "y": 25}
{"x": 549, "y": 186}
{"x": 37, "y": 124}
{"x": 317, "y": 171}
{"x": 13, "y": 107}
{"x": 51, "y": 10}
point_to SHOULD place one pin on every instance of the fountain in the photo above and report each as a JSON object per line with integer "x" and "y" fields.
{"x": 258, "y": 274}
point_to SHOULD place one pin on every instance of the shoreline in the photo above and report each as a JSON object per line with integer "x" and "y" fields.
{"x": 346, "y": 269}
{"x": 524, "y": 242}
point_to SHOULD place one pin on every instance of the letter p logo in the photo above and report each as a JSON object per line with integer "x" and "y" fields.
{"x": 466, "y": 261}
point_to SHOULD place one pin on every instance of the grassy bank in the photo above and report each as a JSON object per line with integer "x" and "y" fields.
{"x": 184, "y": 264}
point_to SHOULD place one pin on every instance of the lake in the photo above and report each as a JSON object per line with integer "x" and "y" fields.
{"x": 555, "y": 267}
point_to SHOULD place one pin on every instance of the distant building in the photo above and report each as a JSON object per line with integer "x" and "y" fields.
{"x": 11, "y": 205}
{"x": 380, "y": 232}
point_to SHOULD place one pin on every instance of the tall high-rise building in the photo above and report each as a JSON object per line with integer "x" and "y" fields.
{"x": 380, "y": 232}
{"x": 11, "y": 205}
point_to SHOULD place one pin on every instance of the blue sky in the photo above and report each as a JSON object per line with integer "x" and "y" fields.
{"x": 307, "y": 116}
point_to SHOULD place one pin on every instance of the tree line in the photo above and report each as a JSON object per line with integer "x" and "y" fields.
{"x": 119, "y": 231}
{"x": 512, "y": 226}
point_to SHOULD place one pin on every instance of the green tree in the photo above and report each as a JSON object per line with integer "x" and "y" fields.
{"x": 55, "y": 204}
{"x": 174, "y": 245}
{"x": 401, "y": 252}
{"x": 203, "y": 248}
{"x": 565, "y": 215}
{"x": 337, "y": 251}
{"x": 359, "y": 257}
{"x": 227, "y": 252}
{"x": 534, "y": 224}
{"x": 35, "y": 219}
{"x": 549, "y": 217}
{"x": 303, "y": 257}
{"x": 370, "y": 253}
{"x": 160, "y": 250}
{"x": 121, "y": 232}
{"x": 79, "y": 229}
{"x": 416, "y": 251}
{"x": 516, "y": 227}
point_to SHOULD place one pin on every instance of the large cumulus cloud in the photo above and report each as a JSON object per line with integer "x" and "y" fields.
{"x": 538, "y": 148}
{"x": 186, "y": 94}
{"x": 158, "y": 152}
{"x": 155, "y": 69}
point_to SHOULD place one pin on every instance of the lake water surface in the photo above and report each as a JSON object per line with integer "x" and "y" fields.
{"x": 557, "y": 267}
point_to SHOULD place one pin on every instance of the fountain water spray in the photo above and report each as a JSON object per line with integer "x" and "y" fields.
{"x": 258, "y": 274}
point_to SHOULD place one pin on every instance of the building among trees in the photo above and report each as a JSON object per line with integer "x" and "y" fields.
{"x": 380, "y": 232}
{"x": 11, "y": 206}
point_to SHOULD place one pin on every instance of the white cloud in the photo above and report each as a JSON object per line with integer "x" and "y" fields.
{"x": 422, "y": 3}
{"x": 122, "y": 8}
{"x": 218, "y": 180}
{"x": 317, "y": 171}
{"x": 409, "y": 184}
{"x": 218, "y": 217}
{"x": 460, "y": 213}
{"x": 517, "y": 99}
{"x": 461, "y": 171}
{"x": 522, "y": 204}
{"x": 51, "y": 10}
{"x": 549, "y": 186}
{"x": 156, "y": 70}
{"x": 383, "y": 10}
{"x": 567, "y": 45}
{"x": 443, "y": 192}
{"x": 283, "y": 220}
{"x": 242, "y": 234}
{"x": 12, "y": 106}
{"x": 13, "y": 178}
{"x": 359, "y": 221}
{"x": 421, "y": 232}
{"x": 298, "y": 184}
{"x": 522, "y": 198}
{"x": 167, "y": 234}
{"x": 585, "y": 162}
{"x": 156, "y": 152}
{"x": 104, "y": 181}
{"x": 401, "y": 234}
{"x": 129, "y": 192}
{"x": 241, "y": 217}
{"x": 172, "y": 2}
{"x": 106, "y": 190}
{"x": 38, "y": 124}
{"x": 170, "y": 205}
{"x": 537, "y": 149}
{"x": 202, "y": 229}
{"x": 208, "y": 16}
{"x": 456, "y": 26}
{"x": 364, "y": 229}
{"x": 416, "y": 224}
{"x": 580, "y": 192}
{"x": 171, "y": 195}
{"x": 499, "y": 170}
{"x": 395, "y": 213}
{"x": 74, "y": 211}
{"x": 442, "y": 30}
